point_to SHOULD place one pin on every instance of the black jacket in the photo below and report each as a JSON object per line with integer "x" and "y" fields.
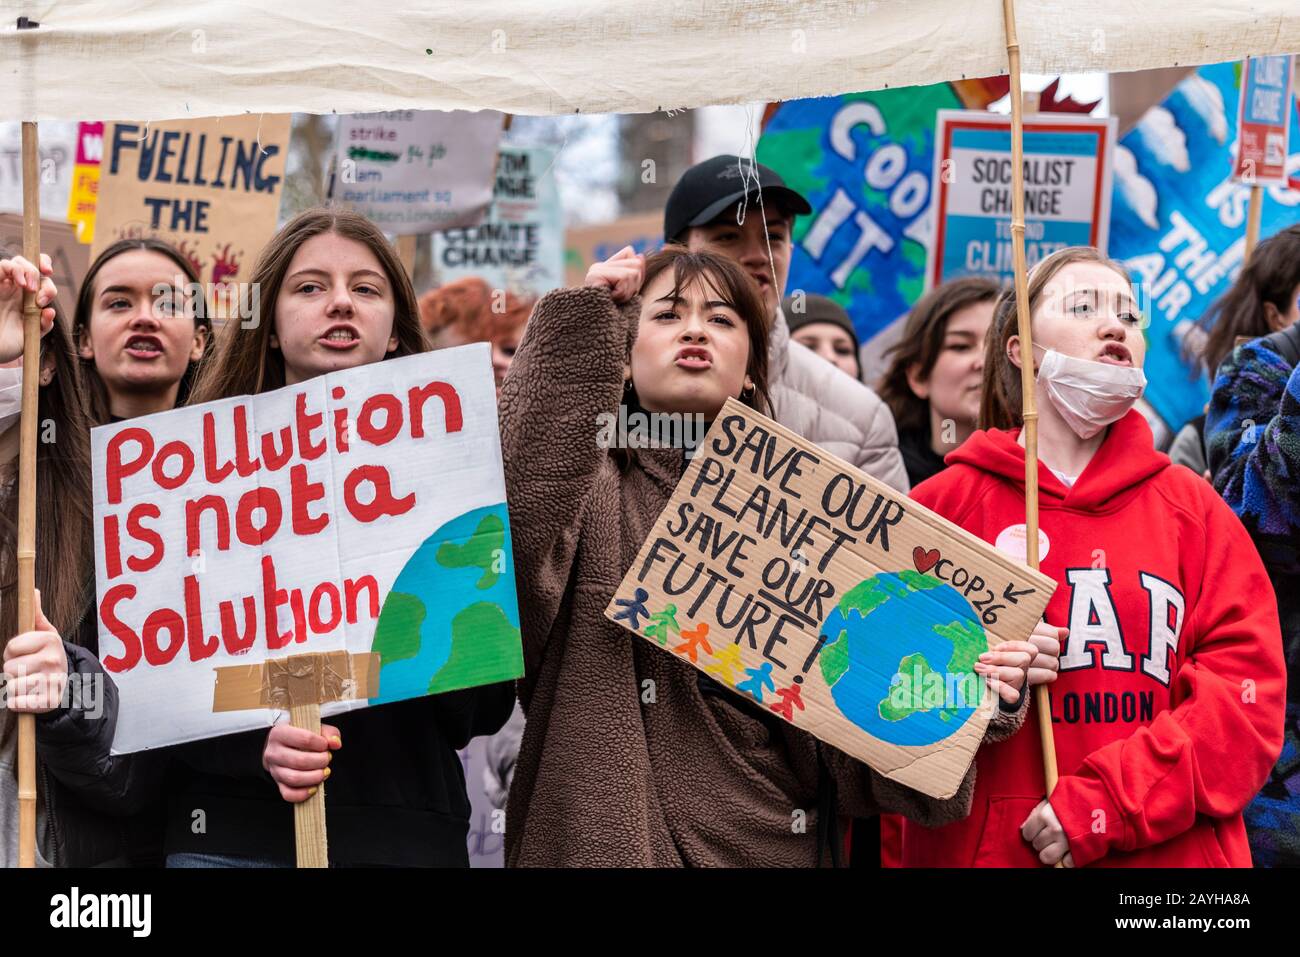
{"x": 104, "y": 809}
{"x": 921, "y": 461}
{"x": 71, "y": 746}
{"x": 396, "y": 793}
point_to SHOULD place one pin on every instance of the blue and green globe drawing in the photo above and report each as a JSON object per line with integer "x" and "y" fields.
{"x": 451, "y": 619}
{"x": 899, "y": 657}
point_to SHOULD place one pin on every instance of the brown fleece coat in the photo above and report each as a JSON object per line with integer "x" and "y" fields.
{"x": 624, "y": 762}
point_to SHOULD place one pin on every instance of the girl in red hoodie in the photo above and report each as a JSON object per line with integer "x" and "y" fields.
{"x": 1168, "y": 707}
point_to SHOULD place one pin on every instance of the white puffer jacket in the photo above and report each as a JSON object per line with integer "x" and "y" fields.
{"x": 831, "y": 409}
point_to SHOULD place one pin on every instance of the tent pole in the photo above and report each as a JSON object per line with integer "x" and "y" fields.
{"x": 1029, "y": 409}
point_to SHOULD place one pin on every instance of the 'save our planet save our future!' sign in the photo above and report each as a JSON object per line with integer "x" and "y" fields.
{"x": 827, "y": 598}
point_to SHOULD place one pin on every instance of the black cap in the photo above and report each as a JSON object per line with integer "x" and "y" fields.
{"x": 708, "y": 189}
{"x": 817, "y": 309}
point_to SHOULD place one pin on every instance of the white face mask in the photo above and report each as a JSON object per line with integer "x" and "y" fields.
{"x": 1089, "y": 395}
{"x": 11, "y": 396}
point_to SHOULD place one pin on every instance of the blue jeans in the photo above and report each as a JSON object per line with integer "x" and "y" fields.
{"x": 222, "y": 860}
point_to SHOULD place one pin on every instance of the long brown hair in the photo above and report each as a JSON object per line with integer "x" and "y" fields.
{"x": 1269, "y": 276}
{"x": 65, "y": 566}
{"x": 921, "y": 342}
{"x": 1001, "y": 396}
{"x": 736, "y": 288}
{"x": 245, "y": 362}
{"x": 97, "y": 405}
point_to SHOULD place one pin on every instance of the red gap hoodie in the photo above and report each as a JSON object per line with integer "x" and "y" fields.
{"x": 1168, "y": 709}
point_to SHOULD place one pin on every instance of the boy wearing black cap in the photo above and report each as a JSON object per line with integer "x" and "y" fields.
{"x": 744, "y": 210}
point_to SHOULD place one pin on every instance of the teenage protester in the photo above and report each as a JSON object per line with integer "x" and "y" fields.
{"x": 744, "y": 211}
{"x": 1253, "y": 438}
{"x": 821, "y": 325}
{"x": 699, "y": 776}
{"x": 1264, "y": 299}
{"x": 333, "y": 295}
{"x": 141, "y": 330}
{"x": 73, "y": 724}
{"x": 1167, "y": 711}
{"x": 936, "y": 371}
{"x": 468, "y": 310}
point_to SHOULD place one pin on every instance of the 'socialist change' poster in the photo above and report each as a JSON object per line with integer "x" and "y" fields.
{"x": 1067, "y": 179}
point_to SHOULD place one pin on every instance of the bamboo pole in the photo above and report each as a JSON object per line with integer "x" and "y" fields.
{"x": 1253, "y": 214}
{"x": 309, "y": 815}
{"x": 1029, "y": 409}
{"x": 27, "y": 490}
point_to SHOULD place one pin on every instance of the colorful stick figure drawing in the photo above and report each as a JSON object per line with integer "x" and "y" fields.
{"x": 696, "y": 639}
{"x": 633, "y": 608}
{"x": 725, "y": 663}
{"x": 759, "y": 678}
{"x": 662, "y": 623}
{"x": 791, "y": 698}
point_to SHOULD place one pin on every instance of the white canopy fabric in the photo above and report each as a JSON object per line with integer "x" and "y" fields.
{"x": 161, "y": 59}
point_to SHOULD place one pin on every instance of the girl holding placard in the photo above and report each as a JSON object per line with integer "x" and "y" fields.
{"x": 52, "y": 671}
{"x": 1167, "y": 711}
{"x": 333, "y": 296}
{"x": 631, "y": 756}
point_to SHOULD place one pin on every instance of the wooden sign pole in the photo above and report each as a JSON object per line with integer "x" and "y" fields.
{"x": 1029, "y": 409}
{"x": 1253, "y": 214}
{"x": 310, "y": 839}
{"x": 27, "y": 490}
{"x": 300, "y": 684}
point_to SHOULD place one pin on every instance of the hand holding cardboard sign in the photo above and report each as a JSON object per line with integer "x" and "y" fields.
{"x": 1047, "y": 639}
{"x": 18, "y": 277}
{"x": 299, "y": 760}
{"x": 1006, "y": 668}
{"x": 622, "y": 273}
{"x": 35, "y": 668}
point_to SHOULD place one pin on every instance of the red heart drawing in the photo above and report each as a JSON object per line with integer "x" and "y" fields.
{"x": 924, "y": 560}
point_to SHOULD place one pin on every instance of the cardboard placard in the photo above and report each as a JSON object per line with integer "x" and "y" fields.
{"x": 70, "y": 258}
{"x": 57, "y": 147}
{"x": 357, "y": 520}
{"x": 1067, "y": 165}
{"x": 1264, "y": 120}
{"x": 584, "y": 246}
{"x": 829, "y": 599}
{"x": 416, "y": 171}
{"x": 84, "y": 194}
{"x": 519, "y": 246}
{"x": 210, "y": 187}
